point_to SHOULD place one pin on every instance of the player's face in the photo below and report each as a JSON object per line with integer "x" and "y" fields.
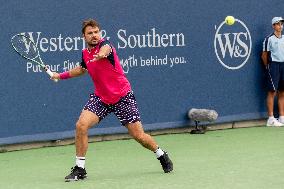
{"x": 92, "y": 35}
{"x": 278, "y": 27}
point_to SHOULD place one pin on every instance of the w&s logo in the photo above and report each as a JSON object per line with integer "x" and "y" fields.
{"x": 232, "y": 44}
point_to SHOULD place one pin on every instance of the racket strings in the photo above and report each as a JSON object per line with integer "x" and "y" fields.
{"x": 24, "y": 46}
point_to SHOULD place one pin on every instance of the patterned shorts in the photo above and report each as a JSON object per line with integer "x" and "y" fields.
{"x": 125, "y": 109}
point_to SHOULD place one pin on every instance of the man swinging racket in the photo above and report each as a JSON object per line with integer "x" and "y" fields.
{"x": 112, "y": 94}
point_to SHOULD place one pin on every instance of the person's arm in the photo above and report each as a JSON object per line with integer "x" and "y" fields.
{"x": 264, "y": 57}
{"x": 75, "y": 72}
{"x": 104, "y": 52}
{"x": 265, "y": 51}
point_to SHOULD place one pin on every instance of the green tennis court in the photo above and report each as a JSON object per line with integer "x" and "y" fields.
{"x": 248, "y": 158}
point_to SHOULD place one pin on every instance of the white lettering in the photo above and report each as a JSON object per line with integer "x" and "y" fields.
{"x": 53, "y": 68}
{"x": 32, "y": 38}
{"x": 132, "y": 38}
{"x": 227, "y": 44}
{"x": 141, "y": 42}
{"x": 32, "y": 67}
{"x": 164, "y": 37}
{"x": 177, "y": 60}
{"x": 156, "y": 37}
{"x": 42, "y": 42}
{"x": 59, "y": 42}
{"x": 53, "y": 46}
{"x": 29, "y": 66}
{"x": 242, "y": 44}
{"x": 68, "y": 65}
{"x": 68, "y": 40}
{"x": 150, "y": 39}
{"x": 122, "y": 39}
{"x": 171, "y": 39}
{"x": 55, "y": 43}
{"x": 154, "y": 61}
{"x": 76, "y": 39}
{"x": 180, "y": 40}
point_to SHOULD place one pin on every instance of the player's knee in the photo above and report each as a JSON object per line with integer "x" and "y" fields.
{"x": 81, "y": 127}
{"x": 281, "y": 93}
{"x": 271, "y": 93}
{"x": 139, "y": 136}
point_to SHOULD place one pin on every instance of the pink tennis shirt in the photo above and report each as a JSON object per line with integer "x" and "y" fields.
{"x": 107, "y": 74}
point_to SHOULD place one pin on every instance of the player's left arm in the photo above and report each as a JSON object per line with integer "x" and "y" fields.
{"x": 104, "y": 52}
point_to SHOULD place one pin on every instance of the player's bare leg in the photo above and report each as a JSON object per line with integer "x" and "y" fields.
{"x": 137, "y": 132}
{"x": 281, "y": 102}
{"x": 86, "y": 120}
{"x": 281, "y": 106}
{"x": 270, "y": 105}
{"x": 270, "y": 102}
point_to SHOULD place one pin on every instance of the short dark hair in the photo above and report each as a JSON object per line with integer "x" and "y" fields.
{"x": 89, "y": 22}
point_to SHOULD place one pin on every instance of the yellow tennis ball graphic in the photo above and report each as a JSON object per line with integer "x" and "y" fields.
{"x": 230, "y": 20}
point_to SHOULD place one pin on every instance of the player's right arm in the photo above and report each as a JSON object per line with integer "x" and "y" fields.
{"x": 264, "y": 57}
{"x": 75, "y": 72}
{"x": 265, "y": 51}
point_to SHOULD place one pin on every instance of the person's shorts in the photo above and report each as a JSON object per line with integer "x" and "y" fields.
{"x": 125, "y": 109}
{"x": 275, "y": 76}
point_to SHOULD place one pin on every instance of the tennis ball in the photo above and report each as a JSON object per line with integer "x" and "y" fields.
{"x": 230, "y": 20}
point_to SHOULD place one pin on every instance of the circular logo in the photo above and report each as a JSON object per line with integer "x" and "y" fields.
{"x": 232, "y": 44}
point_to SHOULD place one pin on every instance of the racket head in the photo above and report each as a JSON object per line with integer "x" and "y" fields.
{"x": 24, "y": 46}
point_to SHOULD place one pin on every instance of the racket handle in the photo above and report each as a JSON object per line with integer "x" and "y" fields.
{"x": 51, "y": 74}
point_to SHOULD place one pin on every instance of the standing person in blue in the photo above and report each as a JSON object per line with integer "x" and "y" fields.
{"x": 273, "y": 59}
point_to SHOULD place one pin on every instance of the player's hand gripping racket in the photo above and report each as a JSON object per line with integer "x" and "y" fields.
{"x": 25, "y": 47}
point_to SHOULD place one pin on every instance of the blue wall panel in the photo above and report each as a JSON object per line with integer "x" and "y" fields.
{"x": 176, "y": 54}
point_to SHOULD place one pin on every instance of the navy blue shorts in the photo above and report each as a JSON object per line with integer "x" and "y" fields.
{"x": 125, "y": 109}
{"x": 275, "y": 76}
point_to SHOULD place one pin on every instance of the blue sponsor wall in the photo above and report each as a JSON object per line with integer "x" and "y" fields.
{"x": 176, "y": 54}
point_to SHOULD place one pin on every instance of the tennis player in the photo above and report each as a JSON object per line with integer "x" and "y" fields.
{"x": 112, "y": 94}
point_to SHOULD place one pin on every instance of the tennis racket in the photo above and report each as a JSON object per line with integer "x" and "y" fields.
{"x": 25, "y": 47}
